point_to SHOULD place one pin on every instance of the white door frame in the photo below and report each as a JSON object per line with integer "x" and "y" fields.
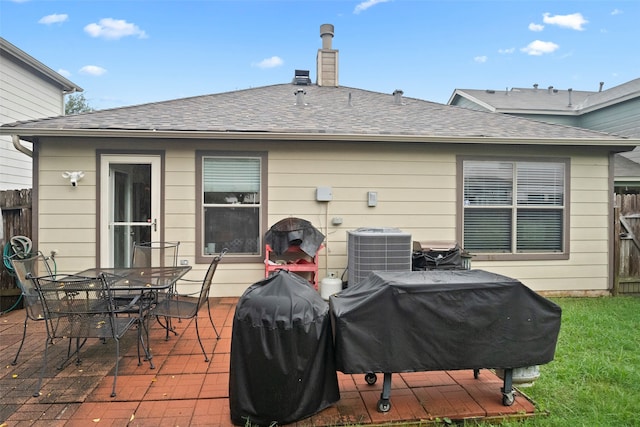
{"x": 107, "y": 200}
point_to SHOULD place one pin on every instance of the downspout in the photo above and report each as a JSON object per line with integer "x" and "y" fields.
{"x": 21, "y": 148}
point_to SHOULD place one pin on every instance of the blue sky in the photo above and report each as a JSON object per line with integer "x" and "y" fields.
{"x": 127, "y": 52}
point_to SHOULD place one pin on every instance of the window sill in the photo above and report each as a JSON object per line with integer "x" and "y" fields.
{"x": 519, "y": 257}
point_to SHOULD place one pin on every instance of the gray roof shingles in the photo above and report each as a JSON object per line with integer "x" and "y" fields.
{"x": 546, "y": 100}
{"x": 327, "y": 110}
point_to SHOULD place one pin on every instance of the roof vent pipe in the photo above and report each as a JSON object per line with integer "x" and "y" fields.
{"x": 569, "y": 90}
{"x": 535, "y": 86}
{"x": 550, "y": 89}
{"x": 300, "y": 97}
{"x": 397, "y": 97}
{"x": 601, "y": 84}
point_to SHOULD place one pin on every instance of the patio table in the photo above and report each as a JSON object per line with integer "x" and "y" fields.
{"x": 139, "y": 278}
{"x": 146, "y": 280}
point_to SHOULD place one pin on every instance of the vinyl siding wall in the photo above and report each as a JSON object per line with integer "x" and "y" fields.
{"x": 416, "y": 186}
{"x": 551, "y": 118}
{"x": 23, "y": 95}
{"x": 621, "y": 119}
{"x": 461, "y": 101}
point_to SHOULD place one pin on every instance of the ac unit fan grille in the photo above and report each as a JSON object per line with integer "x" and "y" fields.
{"x": 377, "y": 251}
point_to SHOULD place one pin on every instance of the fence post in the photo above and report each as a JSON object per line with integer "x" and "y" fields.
{"x": 616, "y": 248}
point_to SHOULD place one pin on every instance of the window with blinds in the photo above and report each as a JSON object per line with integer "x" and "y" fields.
{"x": 231, "y": 203}
{"x": 513, "y": 207}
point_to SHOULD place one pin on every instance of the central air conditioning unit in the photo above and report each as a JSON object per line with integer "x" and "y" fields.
{"x": 377, "y": 249}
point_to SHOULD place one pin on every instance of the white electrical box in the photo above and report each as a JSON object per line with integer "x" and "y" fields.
{"x": 372, "y": 198}
{"x": 324, "y": 194}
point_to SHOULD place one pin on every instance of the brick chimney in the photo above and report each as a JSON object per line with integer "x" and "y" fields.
{"x": 327, "y": 59}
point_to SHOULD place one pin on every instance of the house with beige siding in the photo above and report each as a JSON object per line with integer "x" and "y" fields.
{"x": 28, "y": 90}
{"x": 527, "y": 199}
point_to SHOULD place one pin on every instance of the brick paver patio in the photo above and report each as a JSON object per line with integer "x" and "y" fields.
{"x": 184, "y": 390}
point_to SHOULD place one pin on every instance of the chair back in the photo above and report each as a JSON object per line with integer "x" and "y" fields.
{"x": 36, "y": 266}
{"x": 208, "y": 278}
{"x": 77, "y": 307}
{"x": 155, "y": 254}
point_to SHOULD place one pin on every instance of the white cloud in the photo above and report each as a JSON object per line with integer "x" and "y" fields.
{"x": 361, "y": 7}
{"x": 92, "y": 70}
{"x": 274, "y": 61}
{"x": 114, "y": 29}
{"x": 574, "y": 21}
{"x": 64, "y": 73}
{"x": 480, "y": 59}
{"x": 509, "y": 50}
{"x": 536, "y": 27}
{"x": 55, "y": 18}
{"x": 538, "y": 47}
{"x": 616, "y": 12}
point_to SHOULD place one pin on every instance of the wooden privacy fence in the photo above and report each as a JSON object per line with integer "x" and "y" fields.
{"x": 627, "y": 244}
{"x": 16, "y": 221}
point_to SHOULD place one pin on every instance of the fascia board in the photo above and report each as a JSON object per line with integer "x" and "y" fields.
{"x": 473, "y": 99}
{"x": 615, "y": 143}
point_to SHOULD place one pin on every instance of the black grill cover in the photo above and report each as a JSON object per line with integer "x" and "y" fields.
{"x": 282, "y": 358}
{"x": 442, "y": 320}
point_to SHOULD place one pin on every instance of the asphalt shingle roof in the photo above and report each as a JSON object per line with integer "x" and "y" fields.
{"x": 326, "y": 110}
{"x": 556, "y": 100}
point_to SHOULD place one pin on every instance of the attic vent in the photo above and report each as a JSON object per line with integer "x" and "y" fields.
{"x": 490, "y": 91}
{"x": 301, "y": 78}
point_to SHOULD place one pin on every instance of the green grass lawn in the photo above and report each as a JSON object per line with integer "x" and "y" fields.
{"x": 595, "y": 377}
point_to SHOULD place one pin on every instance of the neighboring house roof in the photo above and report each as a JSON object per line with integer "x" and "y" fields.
{"x": 547, "y": 101}
{"x": 288, "y": 111}
{"x": 571, "y": 105}
{"x": 9, "y": 50}
{"x": 615, "y": 95}
{"x": 626, "y": 169}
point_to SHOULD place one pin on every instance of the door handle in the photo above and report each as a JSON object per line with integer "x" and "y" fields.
{"x": 155, "y": 224}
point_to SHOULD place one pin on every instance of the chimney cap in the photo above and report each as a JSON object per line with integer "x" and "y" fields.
{"x": 326, "y": 29}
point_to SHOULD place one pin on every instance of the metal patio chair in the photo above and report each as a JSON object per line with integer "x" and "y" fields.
{"x": 35, "y": 265}
{"x": 81, "y": 308}
{"x": 186, "y": 306}
{"x": 147, "y": 254}
{"x": 152, "y": 254}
